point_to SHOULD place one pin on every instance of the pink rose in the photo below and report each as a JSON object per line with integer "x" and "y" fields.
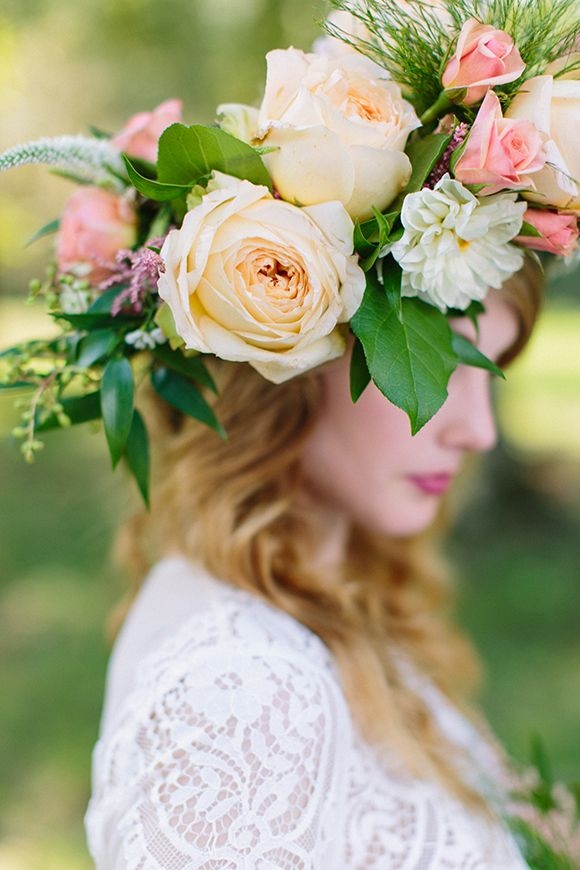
{"x": 484, "y": 57}
{"x": 140, "y": 135}
{"x": 499, "y": 152}
{"x": 559, "y": 232}
{"x": 94, "y": 226}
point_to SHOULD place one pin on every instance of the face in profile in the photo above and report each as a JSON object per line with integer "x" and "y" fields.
{"x": 362, "y": 460}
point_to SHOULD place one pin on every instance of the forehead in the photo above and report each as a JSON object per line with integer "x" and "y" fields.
{"x": 498, "y": 327}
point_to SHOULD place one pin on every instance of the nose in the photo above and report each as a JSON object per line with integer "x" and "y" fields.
{"x": 468, "y": 421}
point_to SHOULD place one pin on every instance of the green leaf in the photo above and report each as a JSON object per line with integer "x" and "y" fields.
{"x": 137, "y": 454}
{"x": 475, "y": 189}
{"x": 99, "y": 313}
{"x": 46, "y": 230}
{"x": 79, "y": 409}
{"x": 407, "y": 346}
{"x": 538, "y": 854}
{"x": 16, "y": 385}
{"x": 73, "y": 340}
{"x": 98, "y": 133}
{"x": 37, "y": 347}
{"x": 371, "y": 236}
{"x": 528, "y": 229}
{"x": 374, "y": 231}
{"x": 182, "y": 394}
{"x": 104, "y": 302}
{"x": 160, "y": 225}
{"x": 469, "y": 355}
{"x": 472, "y": 312}
{"x": 189, "y": 366}
{"x": 153, "y": 189}
{"x": 96, "y": 345}
{"x": 117, "y": 397}
{"x": 424, "y": 154}
{"x": 189, "y": 154}
{"x": 359, "y": 371}
{"x": 84, "y": 321}
{"x": 539, "y": 758}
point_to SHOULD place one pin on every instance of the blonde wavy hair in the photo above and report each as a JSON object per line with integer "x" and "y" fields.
{"x": 237, "y": 507}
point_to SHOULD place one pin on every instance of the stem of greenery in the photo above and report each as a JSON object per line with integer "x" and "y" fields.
{"x": 441, "y": 105}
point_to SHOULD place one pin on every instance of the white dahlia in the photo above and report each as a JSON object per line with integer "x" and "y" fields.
{"x": 456, "y": 246}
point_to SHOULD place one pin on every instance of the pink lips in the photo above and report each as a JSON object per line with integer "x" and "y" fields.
{"x": 432, "y": 484}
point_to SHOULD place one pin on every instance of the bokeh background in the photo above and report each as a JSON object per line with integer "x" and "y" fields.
{"x": 64, "y": 65}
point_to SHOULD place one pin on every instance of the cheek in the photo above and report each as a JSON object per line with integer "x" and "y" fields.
{"x": 357, "y": 458}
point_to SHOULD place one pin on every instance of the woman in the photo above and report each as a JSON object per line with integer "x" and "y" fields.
{"x": 286, "y": 691}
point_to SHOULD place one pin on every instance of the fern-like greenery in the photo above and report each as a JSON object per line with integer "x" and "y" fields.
{"x": 414, "y": 42}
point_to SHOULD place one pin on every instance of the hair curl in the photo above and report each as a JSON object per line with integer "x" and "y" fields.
{"x": 236, "y": 507}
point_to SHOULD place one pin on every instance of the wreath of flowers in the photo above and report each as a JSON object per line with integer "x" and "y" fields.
{"x": 388, "y": 180}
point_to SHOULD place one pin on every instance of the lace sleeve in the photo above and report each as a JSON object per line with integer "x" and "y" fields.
{"x": 233, "y": 763}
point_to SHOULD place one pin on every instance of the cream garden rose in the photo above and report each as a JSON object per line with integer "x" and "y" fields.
{"x": 553, "y": 105}
{"x": 338, "y": 131}
{"x": 254, "y": 279}
{"x": 345, "y": 23}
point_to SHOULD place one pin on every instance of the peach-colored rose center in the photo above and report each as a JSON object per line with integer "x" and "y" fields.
{"x": 359, "y": 99}
{"x": 359, "y": 104}
{"x": 283, "y": 284}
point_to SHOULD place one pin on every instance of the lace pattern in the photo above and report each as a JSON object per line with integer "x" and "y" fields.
{"x": 235, "y": 749}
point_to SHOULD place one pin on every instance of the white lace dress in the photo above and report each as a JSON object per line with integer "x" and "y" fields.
{"x": 227, "y": 743}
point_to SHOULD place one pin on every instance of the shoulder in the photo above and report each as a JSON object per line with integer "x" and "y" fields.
{"x": 235, "y": 727}
{"x": 208, "y": 614}
{"x": 187, "y": 630}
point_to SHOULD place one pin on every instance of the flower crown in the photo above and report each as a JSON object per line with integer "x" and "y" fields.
{"x": 389, "y": 179}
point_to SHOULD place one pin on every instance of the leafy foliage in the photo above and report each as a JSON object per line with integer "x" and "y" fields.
{"x": 407, "y": 347}
{"x": 137, "y": 454}
{"x": 468, "y": 354}
{"x": 183, "y": 395}
{"x": 117, "y": 399}
{"x": 188, "y": 156}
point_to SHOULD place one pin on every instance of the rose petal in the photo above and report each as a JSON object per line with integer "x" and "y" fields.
{"x": 299, "y": 167}
{"x": 379, "y": 177}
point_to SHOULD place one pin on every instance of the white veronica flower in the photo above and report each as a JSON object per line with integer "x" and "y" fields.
{"x": 75, "y": 300}
{"x": 456, "y": 246}
{"x": 141, "y": 339}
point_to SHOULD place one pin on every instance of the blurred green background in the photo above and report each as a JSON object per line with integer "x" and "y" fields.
{"x": 64, "y": 65}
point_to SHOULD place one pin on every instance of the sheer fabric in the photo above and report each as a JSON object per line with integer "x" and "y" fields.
{"x": 226, "y": 742}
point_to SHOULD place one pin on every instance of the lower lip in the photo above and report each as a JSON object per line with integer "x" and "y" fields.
{"x": 432, "y": 484}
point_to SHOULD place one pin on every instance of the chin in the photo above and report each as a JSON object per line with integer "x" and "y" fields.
{"x": 404, "y": 524}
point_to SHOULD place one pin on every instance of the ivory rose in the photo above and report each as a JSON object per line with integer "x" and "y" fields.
{"x": 553, "y": 105}
{"x": 94, "y": 226}
{"x": 140, "y": 135}
{"x": 252, "y": 278}
{"x": 484, "y": 57}
{"x": 338, "y": 131}
{"x": 346, "y": 23}
{"x": 500, "y": 152}
{"x": 559, "y": 232}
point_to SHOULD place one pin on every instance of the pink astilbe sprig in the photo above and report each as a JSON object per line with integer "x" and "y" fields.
{"x": 139, "y": 269}
{"x": 458, "y": 136}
